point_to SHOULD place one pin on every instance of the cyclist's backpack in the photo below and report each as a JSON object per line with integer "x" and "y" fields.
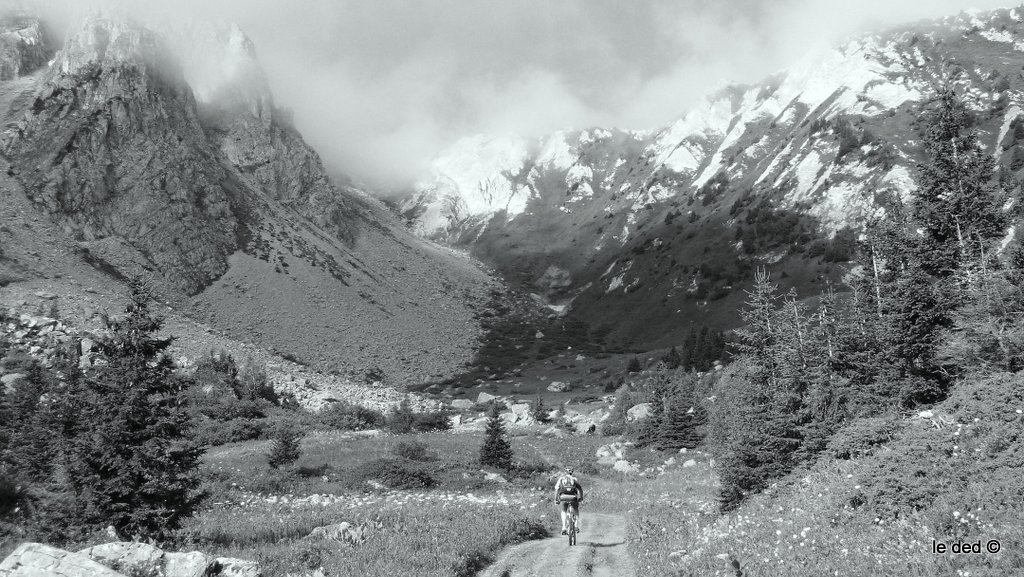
{"x": 567, "y": 485}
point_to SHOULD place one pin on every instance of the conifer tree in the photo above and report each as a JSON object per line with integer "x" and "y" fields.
{"x": 129, "y": 459}
{"x": 540, "y": 412}
{"x": 496, "y": 450}
{"x": 956, "y": 204}
{"x": 285, "y": 450}
{"x": 672, "y": 359}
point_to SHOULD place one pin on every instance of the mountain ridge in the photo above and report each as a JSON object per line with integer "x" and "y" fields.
{"x": 821, "y": 146}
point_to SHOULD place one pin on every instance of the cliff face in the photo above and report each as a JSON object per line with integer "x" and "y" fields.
{"x": 112, "y": 146}
{"x": 174, "y": 163}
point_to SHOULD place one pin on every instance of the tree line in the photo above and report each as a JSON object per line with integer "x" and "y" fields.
{"x": 934, "y": 300}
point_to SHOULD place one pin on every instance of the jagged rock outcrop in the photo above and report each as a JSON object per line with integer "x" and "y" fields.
{"x": 23, "y": 45}
{"x": 238, "y": 112}
{"x": 113, "y": 147}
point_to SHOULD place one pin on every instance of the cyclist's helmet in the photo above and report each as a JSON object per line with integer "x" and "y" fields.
{"x": 569, "y": 470}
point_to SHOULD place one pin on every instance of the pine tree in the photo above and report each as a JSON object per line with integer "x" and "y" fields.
{"x": 129, "y": 459}
{"x": 672, "y": 359}
{"x": 540, "y": 412}
{"x": 285, "y": 449}
{"x": 956, "y": 203}
{"x": 678, "y": 422}
{"x": 634, "y": 366}
{"x": 496, "y": 451}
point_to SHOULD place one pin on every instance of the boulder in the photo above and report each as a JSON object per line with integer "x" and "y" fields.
{"x": 231, "y": 567}
{"x": 136, "y": 559}
{"x": 607, "y": 460}
{"x": 586, "y": 427}
{"x": 554, "y": 432}
{"x": 689, "y": 463}
{"x": 637, "y": 412}
{"x": 624, "y": 466}
{"x": 485, "y": 398}
{"x": 192, "y": 564}
{"x": 38, "y": 560}
{"x": 463, "y": 404}
{"x": 559, "y": 387}
{"x": 497, "y": 478}
{"x": 521, "y": 410}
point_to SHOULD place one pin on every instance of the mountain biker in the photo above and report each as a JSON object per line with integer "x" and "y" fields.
{"x": 568, "y": 493}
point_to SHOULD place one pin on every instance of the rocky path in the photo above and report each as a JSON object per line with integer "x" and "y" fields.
{"x": 600, "y": 551}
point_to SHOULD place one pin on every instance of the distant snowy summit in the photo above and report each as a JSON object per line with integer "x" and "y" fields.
{"x": 782, "y": 136}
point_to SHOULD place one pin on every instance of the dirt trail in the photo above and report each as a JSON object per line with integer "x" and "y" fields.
{"x": 600, "y": 551}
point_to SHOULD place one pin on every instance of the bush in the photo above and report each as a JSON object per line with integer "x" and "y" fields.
{"x": 401, "y": 419}
{"x": 348, "y": 417}
{"x": 434, "y": 421}
{"x": 862, "y": 437}
{"x": 395, "y": 475}
{"x": 210, "y": 432}
{"x": 634, "y": 366}
{"x": 412, "y": 450}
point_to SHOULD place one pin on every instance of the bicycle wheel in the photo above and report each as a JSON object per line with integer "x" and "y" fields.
{"x": 572, "y": 530}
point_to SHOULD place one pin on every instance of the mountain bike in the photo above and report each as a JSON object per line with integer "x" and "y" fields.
{"x": 573, "y": 520}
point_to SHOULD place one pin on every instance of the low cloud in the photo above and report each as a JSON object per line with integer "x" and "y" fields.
{"x": 380, "y": 87}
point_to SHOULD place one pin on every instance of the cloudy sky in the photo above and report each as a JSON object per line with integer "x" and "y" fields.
{"x": 381, "y": 86}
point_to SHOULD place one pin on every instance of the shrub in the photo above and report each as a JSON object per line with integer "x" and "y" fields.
{"x": 210, "y": 432}
{"x": 634, "y": 365}
{"x": 252, "y": 383}
{"x": 432, "y": 421}
{"x": 862, "y": 437}
{"x": 401, "y": 419}
{"x": 285, "y": 449}
{"x": 348, "y": 417}
{"x": 395, "y": 475}
{"x": 412, "y": 450}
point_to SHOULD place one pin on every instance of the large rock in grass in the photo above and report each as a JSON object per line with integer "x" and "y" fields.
{"x": 485, "y": 397}
{"x": 191, "y": 564}
{"x": 231, "y": 567}
{"x": 559, "y": 387}
{"x": 637, "y": 412}
{"x": 38, "y": 560}
{"x": 624, "y": 466}
{"x": 143, "y": 560}
{"x": 136, "y": 559}
{"x": 463, "y": 404}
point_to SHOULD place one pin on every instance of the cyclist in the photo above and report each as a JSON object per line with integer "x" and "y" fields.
{"x": 568, "y": 493}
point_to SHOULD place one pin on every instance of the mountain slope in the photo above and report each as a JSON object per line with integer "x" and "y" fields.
{"x": 214, "y": 196}
{"x": 656, "y": 230}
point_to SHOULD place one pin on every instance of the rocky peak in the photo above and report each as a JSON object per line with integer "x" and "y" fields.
{"x": 223, "y": 70}
{"x": 112, "y": 147}
{"x": 103, "y": 44}
{"x": 23, "y": 45}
